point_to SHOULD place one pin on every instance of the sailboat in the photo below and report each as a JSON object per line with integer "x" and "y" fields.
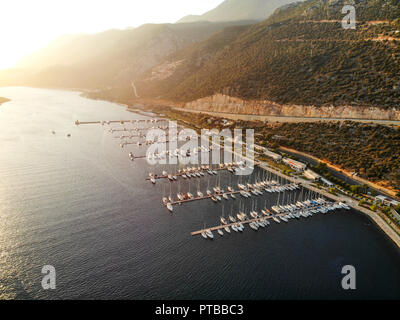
{"x": 223, "y": 220}
{"x": 170, "y": 207}
{"x": 170, "y": 193}
{"x": 231, "y": 218}
{"x": 179, "y": 194}
{"x": 190, "y": 196}
{"x": 164, "y": 198}
{"x": 199, "y": 193}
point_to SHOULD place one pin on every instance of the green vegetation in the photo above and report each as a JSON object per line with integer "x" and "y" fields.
{"x": 293, "y": 58}
{"x": 371, "y": 151}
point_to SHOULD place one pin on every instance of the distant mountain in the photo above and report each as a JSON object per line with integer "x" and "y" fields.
{"x": 234, "y": 10}
{"x": 111, "y": 58}
{"x": 300, "y": 55}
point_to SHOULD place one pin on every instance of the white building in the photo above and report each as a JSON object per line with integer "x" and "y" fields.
{"x": 309, "y": 174}
{"x": 296, "y": 165}
{"x": 276, "y": 157}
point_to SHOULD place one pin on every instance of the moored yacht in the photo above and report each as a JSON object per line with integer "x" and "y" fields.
{"x": 170, "y": 207}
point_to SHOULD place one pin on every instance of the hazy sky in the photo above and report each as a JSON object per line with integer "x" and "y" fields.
{"x": 28, "y": 25}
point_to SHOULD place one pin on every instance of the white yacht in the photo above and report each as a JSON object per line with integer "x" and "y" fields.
{"x": 253, "y": 226}
{"x": 276, "y": 219}
{"x": 170, "y": 207}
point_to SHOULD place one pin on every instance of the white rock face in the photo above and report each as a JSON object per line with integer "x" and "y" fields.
{"x": 228, "y": 104}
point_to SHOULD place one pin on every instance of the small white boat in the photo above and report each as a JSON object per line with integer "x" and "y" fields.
{"x": 253, "y": 214}
{"x": 204, "y": 235}
{"x": 220, "y": 232}
{"x": 253, "y": 226}
{"x": 153, "y": 181}
{"x": 170, "y": 207}
{"x": 227, "y": 229}
{"x": 232, "y": 219}
{"x": 234, "y": 228}
{"x": 210, "y": 234}
{"x": 276, "y": 220}
{"x": 284, "y": 219}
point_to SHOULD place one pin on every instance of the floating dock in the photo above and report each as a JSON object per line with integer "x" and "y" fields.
{"x": 199, "y": 232}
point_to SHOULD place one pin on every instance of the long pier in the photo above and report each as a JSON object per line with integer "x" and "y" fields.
{"x": 213, "y": 195}
{"x": 199, "y": 232}
{"x": 77, "y": 122}
{"x": 184, "y": 173}
{"x": 204, "y": 197}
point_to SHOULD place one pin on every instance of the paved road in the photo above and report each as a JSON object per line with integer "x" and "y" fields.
{"x": 253, "y": 117}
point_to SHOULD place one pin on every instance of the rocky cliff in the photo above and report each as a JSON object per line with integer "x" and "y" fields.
{"x": 227, "y": 104}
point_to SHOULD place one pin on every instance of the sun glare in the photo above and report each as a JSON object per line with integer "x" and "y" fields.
{"x": 26, "y": 26}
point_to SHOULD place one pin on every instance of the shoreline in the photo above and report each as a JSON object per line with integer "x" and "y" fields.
{"x": 375, "y": 217}
{"x": 379, "y": 221}
{"x": 347, "y": 173}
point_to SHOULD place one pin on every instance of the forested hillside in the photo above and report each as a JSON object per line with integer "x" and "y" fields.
{"x": 300, "y": 55}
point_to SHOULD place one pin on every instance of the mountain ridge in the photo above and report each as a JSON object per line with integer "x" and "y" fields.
{"x": 235, "y": 10}
{"x": 300, "y": 55}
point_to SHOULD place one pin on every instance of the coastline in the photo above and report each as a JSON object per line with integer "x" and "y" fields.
{"x": 379, "y": 221}
{"x": 347, "y": 173}
{"x": 375, "y": 217}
